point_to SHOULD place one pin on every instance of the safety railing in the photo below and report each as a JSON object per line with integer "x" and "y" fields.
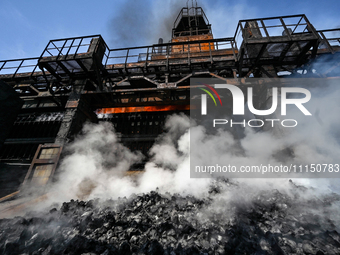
{"x": 169, "y": 51}
{"x": 70, "y": 46}
{"x": 15, "y": 66}
{"x": 330, "y": 39}
{"x": 288, "y": 27}
{"x": 71, "y": 54}
{"x": 193, "y": 11}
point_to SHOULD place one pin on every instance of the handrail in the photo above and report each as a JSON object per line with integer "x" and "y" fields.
{"x": 288, "y": 27}
{"x": 169, "y": 50}
{"x": 177, "y": 43}
{"x": 72, "y": 40}
{"x": 328, "y": 40}
{"x": 13, "y": 70}
{"x": 185, "y": 13}
{"x": 145, "y": 52}
{"x": 275, "y": 17}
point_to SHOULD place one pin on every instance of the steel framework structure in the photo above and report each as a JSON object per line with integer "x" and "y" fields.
{"x": 77, "y": 79}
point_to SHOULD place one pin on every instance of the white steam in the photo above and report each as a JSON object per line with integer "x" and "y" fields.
{"x": 97, "y": 163}
{"x": 94, "y": 159}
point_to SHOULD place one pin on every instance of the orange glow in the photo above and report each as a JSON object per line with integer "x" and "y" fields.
{"x": 158, "y": 108}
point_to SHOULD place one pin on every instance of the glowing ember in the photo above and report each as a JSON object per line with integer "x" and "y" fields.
{"x": 158, "y": 108}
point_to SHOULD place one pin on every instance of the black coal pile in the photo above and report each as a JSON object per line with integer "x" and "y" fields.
{"x": 267, "y": 222}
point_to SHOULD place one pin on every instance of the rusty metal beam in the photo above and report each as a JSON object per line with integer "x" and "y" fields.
{"x": 9, "y": 196}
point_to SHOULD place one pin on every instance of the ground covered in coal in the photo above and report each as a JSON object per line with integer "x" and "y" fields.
{"x": 268, "y": 222}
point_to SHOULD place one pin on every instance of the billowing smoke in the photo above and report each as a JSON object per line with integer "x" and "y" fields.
{"x": 96, "y": 165}
{"x": 143, "y": 22}
{"x": 230, "y": 213}
{"x": 138, "y": 23}
{"x": 167, "y": 211}
{"x": 96, "y": 162}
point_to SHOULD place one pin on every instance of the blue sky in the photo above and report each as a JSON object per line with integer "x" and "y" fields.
{"x": 27, "y": 26}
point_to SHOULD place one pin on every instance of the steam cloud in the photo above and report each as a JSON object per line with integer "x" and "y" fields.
{"x": 144, "y": 22}
{"x": 138, "y": 22}
{"x": 97, "y": 162}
